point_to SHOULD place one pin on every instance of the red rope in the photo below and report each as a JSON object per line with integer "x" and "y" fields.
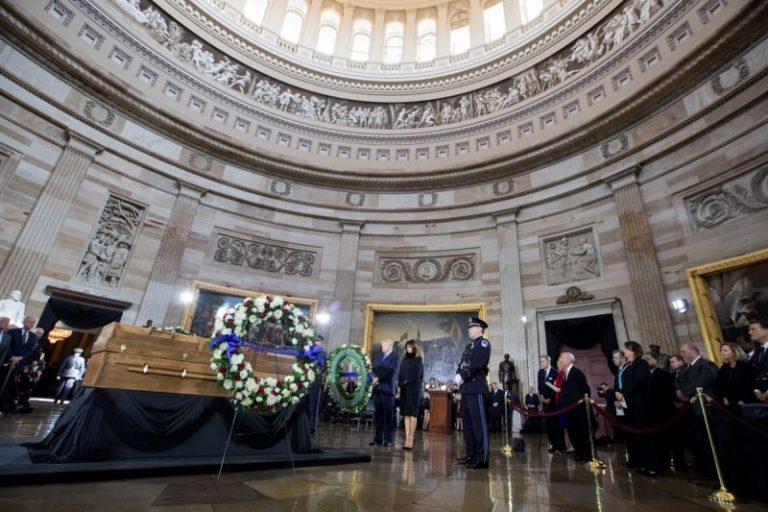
{"x": 526, "y": 412}
{"x": 617, "y": 423}
{"x": 725, "y": 412}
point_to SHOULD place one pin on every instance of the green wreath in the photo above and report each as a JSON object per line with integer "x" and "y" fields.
{"x": 356, "y": 400}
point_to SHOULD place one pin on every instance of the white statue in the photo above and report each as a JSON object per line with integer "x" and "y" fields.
{"x": 13, "y": 308}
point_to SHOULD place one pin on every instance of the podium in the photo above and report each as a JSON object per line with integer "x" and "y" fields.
{"x": 440, "y": 411}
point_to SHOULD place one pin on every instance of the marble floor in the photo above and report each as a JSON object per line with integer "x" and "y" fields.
{"x": 422, "y": 480}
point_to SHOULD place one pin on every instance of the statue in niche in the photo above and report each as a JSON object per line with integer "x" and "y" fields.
{"x": 13, "y": 308}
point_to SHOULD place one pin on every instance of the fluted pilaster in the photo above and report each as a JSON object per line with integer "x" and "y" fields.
{"x": 646, "y": 282}
{"x": 165, "y": 272}
{"x": 26, "y": 260}
{"x": 344, "y": 294}
{"x": 511, "y": 292}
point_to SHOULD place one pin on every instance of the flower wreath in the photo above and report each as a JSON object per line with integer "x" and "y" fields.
{"x": 265, "y": 395}
{"x": 357, "y": 402}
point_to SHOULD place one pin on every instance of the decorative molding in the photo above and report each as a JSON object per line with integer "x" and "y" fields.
{"x": 574, "y": 294}
{"x": 570, "y": 257}
{"x": 730, "y": 77}
{"x": 710, "y": 9}
{"x": 281, "y": 188}
{"x": 111, "y": 243}
{"x": 356, "y": 199}
{"x": 679, "y": 35}
{"x": 58, "y": 11}
{"x": 265, "y": 255}
{"x": 200, "y": 162}
{"x": 728, "y": 201}
{"x": 98, "y": 113}
{"x": 615, "y": 146}
{"x": 425, "y": 267}
{"x": 503, "y": 188}
{"x": 427, "y": 199}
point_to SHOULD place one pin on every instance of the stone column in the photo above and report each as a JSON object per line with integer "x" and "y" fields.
{"x": 273, "y": 18}
{"x": 26, "y": 260}
{"x": 165, "y": 271}
{"x": 344, "y": 37}
{"x": 511, "y": 292}
{"x": 311, "y": 25}
{"x": 344, "y": 294}
{"x": 512, "y": 16}
{"x": 653, "y": 315}
{"x": 377, "y": 37}
{"x": 476, "y": 28}
{"x": 443, "y": 47}
{"x": 410, "y": 36}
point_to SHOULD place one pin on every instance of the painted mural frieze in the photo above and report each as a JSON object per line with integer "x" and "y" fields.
{"x": 110, "y": 247}
{"x": 263, "y": 255}
{"x": 425, "y": 268}
{"x": 571, "y": 257}
{"x": 208, "y": 61}
{"x": 728, "y": 201}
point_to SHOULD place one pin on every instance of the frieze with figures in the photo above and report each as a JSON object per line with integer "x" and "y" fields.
{"x": 261, "y": 255}
{"x": 110, "y": 247}
{"x": 571, "y": 257}
{"x": 206, "y": 60}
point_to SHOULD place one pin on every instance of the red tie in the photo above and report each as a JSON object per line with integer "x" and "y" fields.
{"x": 559, "y": 385}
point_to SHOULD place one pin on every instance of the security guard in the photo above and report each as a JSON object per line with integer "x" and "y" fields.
{"x": 471, "y": 377}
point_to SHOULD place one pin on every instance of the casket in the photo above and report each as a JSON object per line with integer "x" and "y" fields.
{"x": 145, "y": 359}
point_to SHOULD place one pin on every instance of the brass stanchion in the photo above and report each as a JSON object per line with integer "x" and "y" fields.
{"x": 721, "y": 495}
{"x": 595, "y": 463}
{"x": 506, "y": 449}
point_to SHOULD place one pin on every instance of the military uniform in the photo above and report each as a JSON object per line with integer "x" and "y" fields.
{"x": 473, "y": 370}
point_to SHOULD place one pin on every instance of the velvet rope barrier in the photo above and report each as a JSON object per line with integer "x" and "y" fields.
{"x": 725, "y": 412}
{"x": 615, "y": 421}
{"x": 526, "y": 412}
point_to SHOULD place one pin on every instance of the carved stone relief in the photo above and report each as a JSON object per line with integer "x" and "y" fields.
{"x": 625, "y": 20}
{"x": 729, "y": 78}
{"x": 728, "y": 201}
{"x": 98, "y": 113}
{"x": 615, "y": 146}
{"x": 571, "y": 257}
{"x": 267, "y": 256}
{"x": 425, "y": 267}
{"x": 111, "y": 244}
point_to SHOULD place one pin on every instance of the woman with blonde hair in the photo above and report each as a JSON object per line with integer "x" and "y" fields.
{"x": 410, "y": 382}
{"x": 736, "y": 378}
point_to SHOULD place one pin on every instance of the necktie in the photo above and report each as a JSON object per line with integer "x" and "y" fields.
{"x": 559, "y": 385}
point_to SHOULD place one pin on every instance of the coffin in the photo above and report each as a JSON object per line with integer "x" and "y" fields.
{"x": 145, "y": 359}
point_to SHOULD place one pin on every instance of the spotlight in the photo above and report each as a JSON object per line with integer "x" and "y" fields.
{"x": 323, "y": 318}
{"x": 186, "y": 297}
{"x": 680, "y": 305}
{"x": 524, "y": 319}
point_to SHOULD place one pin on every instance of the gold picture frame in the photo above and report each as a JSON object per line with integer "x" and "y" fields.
{"x": 193, "y": 310}
{"x": 699, "y": 282}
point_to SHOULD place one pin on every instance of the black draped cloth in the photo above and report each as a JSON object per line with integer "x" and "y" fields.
{"x": 117, "y": 424}
{"x": 76, "y": 315}
{"x": 581, "y": 334}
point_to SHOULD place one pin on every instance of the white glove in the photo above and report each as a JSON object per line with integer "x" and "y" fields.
{"x": 458, "y": 380}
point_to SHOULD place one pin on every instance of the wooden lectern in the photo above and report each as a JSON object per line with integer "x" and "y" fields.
{"x": 440, "y": 411}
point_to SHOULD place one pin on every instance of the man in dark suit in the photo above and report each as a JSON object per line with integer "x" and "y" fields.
{"x": 662, "y": 408}
{"x": 699, "y": 373}
{"x": 546, "y": 376}
{"x": 496, "y": 407}
{"x": 5, "y": 341}
{"x": 532, "y": 403}
{"x": 22, "y": 350}
{"x": 6, "y": 381}
{"x": 574, "y": 387}
{"x": 758, "y": 334}
{"x": 384, "y": 371}
{"x": 471, "y": 377}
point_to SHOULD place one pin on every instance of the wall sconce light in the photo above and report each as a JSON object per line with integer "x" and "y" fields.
{"x": 681, "y": 306}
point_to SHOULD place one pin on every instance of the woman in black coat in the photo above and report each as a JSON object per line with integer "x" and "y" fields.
{"x": 633, "y": 387}
{"x": 736, "y": 380}
{"x": 410, "y": 381}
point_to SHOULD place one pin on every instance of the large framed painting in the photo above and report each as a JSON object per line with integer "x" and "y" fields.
{"x": 440, "y": 330}
{"x": 210, "y": 300}
{"x": 727, "y": 294}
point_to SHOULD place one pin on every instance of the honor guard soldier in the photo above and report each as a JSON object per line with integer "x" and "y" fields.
{"x": 471, "y": 378}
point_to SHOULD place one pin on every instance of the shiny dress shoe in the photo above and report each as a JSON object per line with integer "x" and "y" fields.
{"x": 387, "y": 445}
{"x": 463, "y": 460}
{"x": 374, "y": 443}
{"x": 407, "y": 447}
{"x": 477, "y": 465}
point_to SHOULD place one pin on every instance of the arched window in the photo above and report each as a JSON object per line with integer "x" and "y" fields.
{"x": 459, "y": 37}
{"x": 293, "y": 20}
{"x": 530, "y": 9}
{"x": 426, "y": 34}
{"x": 329, "y": 29}
{"x": 394, "y": 39}
{"x": 361, "y": 39}
{"x": 493, "y": 20}
{"x": 255, "y": 10}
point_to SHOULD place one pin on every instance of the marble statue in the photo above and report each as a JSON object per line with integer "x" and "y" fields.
{"x": 13, "y": 308}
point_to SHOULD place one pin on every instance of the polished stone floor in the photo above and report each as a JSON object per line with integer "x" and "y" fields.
{"x": 424, "y": 480}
